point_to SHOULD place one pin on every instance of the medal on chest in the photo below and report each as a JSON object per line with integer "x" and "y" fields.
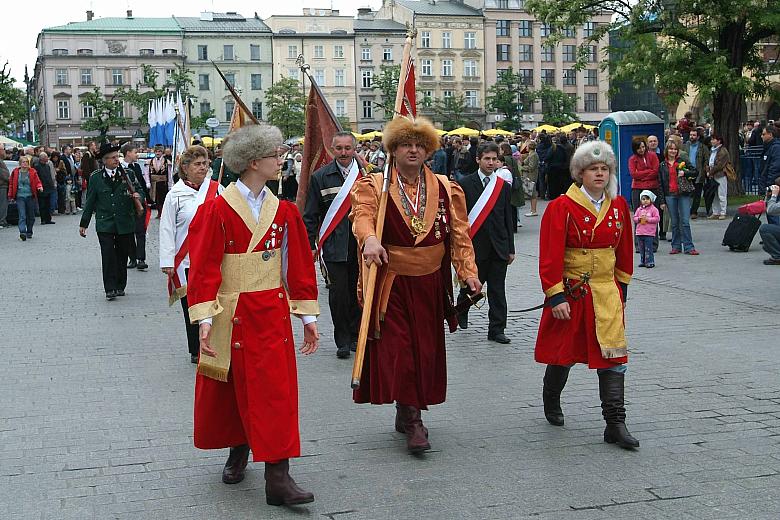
{"x": 414, "y": 209}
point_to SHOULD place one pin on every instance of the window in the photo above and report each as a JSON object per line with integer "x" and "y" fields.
{"x": 426, "y": 67}
{"x": 545, "y": 30}
{"x": 569, "y": 53}
{"x": 502, "y": 27}
{"x": 231, "y": 78}
{"x": 470, "y": 68}
{"x": 87, "y": 111}
{"x": 170, "y": 52}
{"x": 119, "y": 108}
{"x": 86, "y": 76}
{"x": 387, "y": 53}
{"x": 526, "y": 52}
{"x": 292, "y": 72}
{"x": 368, "y": 109}
{"x": 446, "y": 40}
{"x": 292, "y": 51}
{"x": 257, "y": 109}
{"x": 502, "y": 52}
{"x": 60, "y": 76}
{"x": 428, "y": 98}
{"x": 569, "y": 32}
{"x": 591, "y": 77}
{"x": 256, "y": 81}
{"x": 229, "y": 106}
{"x": 548, "y": 77}
{"x": 367, "y": 77}
{"x": 592, "y": 53}
{"x": 319, "y": 51}
{"x": 470, "y": 40}
{"x": 471, "y": 99}
{"x": 526, "y": 28}
{"x": 117, "y": 77}
{"x": 227, "y": 53}
{"x": 254, "y": 52}
{"x": 203, "y": 53}
{"x": 365, "y": 53}
{"x": 446, "y": 94}
{"x": 526, "y": 77}
{"x": 319, "y": 76}
{"x": 588, "y": 29}
{"x": 63, "y": 109}
{"x": 169, "y": 73}
{"x": 341, "y": 108}
{"x": 446, "y": 68}
{"x": 425, "y": 39}
{"x": 339, "y": 76}
{"x": 59, "y": 52}
{"x": 548, "y": 53}
{"x": 146, "y": 52}
{"x": 501, "y": 72}
{"x": 203, "y": 81}
{"x": 205, "y": 108}
{"x": 502, "y": 4}
{"x": 88, "y": 52}
{"x": 338, "y": 51}
{"x": 569, "y": 77}
{"x": 591, "y": 102}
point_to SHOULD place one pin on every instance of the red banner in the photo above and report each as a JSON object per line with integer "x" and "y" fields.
{"x": 409, "y": 104}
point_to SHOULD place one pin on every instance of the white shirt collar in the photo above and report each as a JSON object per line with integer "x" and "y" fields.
{"x": 255, "y": 203}
{"x": 482, "y": 176}
{"x": 596, "y": 203}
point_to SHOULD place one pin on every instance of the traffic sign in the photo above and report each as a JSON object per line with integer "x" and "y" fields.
{"x": 212, "y": 122}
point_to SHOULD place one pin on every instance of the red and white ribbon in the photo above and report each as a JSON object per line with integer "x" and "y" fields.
{"x": 485, "y": 204}
{"x": 339, "y": 207}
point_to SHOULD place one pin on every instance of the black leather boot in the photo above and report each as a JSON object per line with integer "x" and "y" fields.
{"x": 555, "y": 378}
{"x": 611, "y": 385}
{"x": 235, "y": 467}
{"x": 281, "y": 489}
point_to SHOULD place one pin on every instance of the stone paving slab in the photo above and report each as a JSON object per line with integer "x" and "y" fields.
{"x": 96, "y": 414}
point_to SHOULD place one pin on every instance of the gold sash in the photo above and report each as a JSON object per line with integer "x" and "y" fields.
{"x": 607, "y": 302}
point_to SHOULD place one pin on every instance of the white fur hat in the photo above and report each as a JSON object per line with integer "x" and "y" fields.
{"x": 590, "y": 153}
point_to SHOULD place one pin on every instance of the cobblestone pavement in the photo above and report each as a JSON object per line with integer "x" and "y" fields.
{"x": 96, "y": 413}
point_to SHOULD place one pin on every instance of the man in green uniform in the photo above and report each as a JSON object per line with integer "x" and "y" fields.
{"x": 110, "y": 199}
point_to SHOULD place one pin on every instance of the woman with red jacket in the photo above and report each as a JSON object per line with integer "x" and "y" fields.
{"x": 24, "y": 187}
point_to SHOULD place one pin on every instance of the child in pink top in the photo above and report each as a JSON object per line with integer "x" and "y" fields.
{"x": 646, "y": 218}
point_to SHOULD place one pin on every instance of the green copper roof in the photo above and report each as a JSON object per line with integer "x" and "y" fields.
{"x": 125, "y": 25}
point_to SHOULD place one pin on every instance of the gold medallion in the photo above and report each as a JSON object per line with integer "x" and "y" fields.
{"x": 417, "y": 224}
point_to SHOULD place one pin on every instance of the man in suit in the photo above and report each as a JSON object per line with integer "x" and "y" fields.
{"x": 494, "y": 245}
{"x": 339, "y": 251}
{"x": 109, "y": 198}
{"x": 46, "y": 174}
{"x": 137, "y": 251}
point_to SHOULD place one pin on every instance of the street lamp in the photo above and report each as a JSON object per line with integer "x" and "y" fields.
{"x": 29, "y": 134}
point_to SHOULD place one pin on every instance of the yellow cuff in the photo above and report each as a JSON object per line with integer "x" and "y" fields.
{"x": 305, "y": 307}
{"x": 622, "y": 277}
{"x": 555, "y": 289}
{"x": 204, "y": 310}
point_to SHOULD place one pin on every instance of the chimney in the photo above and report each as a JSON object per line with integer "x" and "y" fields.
{"x": 364, "y": 13}
{"x": 90, "y": 15}
{"x": 129, "y": 13}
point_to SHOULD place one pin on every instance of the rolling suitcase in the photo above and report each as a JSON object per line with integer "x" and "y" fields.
{"x": 740, "y": 233}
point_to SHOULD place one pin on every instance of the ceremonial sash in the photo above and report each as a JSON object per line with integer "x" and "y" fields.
{"x": 177, "y": 282}
{"x": 485, "y": 204}
{"x": 339, "y": 207}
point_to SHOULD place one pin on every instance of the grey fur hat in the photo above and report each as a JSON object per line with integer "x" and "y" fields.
{"x": 593, "y": 152}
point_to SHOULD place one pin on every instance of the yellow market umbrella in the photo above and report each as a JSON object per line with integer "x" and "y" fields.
{"x": 441, "y": 132}
{"x": 8, "y": 141}
{"x": 208, "y": 141}
{"x": 571, "y": 126}
{"x": 464, "y": 131}
{"x": 358, "y": 136}
{"x": 370, "y": 136}
{"x": 548, "y": 128}
{"x": 497, "y": 131}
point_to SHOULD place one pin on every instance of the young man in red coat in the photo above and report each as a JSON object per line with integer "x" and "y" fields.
{"x": 249, "y": 254}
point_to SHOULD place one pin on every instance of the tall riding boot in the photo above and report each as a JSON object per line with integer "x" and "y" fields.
{"x": 555, "y": 378}
{"x": 281, "y": 489}
{"x": 611, "y": 385}
{"x": 416, "y": 433}
{"x": 235, "y": 467}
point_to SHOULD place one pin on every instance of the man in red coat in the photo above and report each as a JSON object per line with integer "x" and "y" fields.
{"x": 249, "y": 253}
{"x": 585, "y": 265}
{"x": 426, "y": 232}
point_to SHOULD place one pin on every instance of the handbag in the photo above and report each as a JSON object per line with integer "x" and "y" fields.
{"x": 731, "y": 173}
{"x": 685, "y": 186}
{"x": 528, "y": 187}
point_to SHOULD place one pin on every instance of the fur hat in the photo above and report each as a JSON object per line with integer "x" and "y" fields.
{"x": 402, "y": 130}
{"x": 591, "y": 153}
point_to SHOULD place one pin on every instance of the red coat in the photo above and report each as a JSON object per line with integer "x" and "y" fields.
{"x": 570, "y": 225}
{"x": 258, "y": 405}
{"x": 13, "y": 183}
{"x": 644, "y": 171}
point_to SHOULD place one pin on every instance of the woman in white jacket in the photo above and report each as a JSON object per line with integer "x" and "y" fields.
{"x": 181, "y": 203}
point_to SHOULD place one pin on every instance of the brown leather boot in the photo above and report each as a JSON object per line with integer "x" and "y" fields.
{"x": 416, "y": 432}
{"x": 281, "y": 489}
{"x": 401, "y": 417}
{"x": 235, "y": 467}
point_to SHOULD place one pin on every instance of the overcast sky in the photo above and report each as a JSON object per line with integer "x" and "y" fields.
{"x": 20, "y": 26}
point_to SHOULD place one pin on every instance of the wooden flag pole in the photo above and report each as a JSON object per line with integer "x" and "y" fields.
{"x": 370, "y": 288}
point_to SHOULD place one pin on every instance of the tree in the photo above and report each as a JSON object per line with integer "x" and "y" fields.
{"x": 285, "y": 106}
{"x": 198, "y": 123}
{"x": 712, "y": 45}
{"x": 106, "y": 112}
{"x": 450, "y": 111}
{"x": 387, "y": 85}
{"x": 346, "y": 124}
{"x": 558, "y": 107}
{"x": 13, "y": 110}
{"x": 506, "y": 97}
{"x": 147, "y": 89}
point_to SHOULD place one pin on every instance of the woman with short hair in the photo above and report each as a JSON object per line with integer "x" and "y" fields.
{"x": 676, "y": 179}
{"x": 716, "y": 169}
{"x": 530, "y": 175}
{"x": 24, "y": 187}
